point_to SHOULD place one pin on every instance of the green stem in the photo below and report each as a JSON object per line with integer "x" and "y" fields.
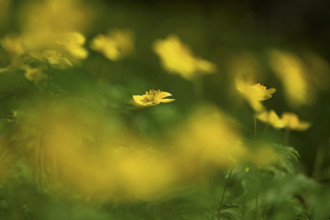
{"x": 257, "y": 206}
{"x": 318, "y": 163}
{"x": 48, "y": 81}
{"x": 212, "y": 191}
{"x": 286, "y": 136}
{"x": 224, "y": 190}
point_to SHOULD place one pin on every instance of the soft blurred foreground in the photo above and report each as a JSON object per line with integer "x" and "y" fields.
{"x": 164, "y": 110}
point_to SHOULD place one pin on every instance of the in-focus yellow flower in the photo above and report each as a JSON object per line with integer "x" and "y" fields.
{"x": 254, "y": 93}
{"x": 292, "y": 122}
{"x": 178, "y": 58}
{"x": 153, "y": 97}
{"x": 115, "y": 45}
{"x": 271, "y": 118}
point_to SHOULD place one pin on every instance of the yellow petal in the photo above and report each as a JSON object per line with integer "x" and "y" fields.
{"x": 164, "y": 94}
{"x": 263, "y": 117}
{"x": 292, "y": 122}
{"x": 115, "y": 45}
{"x": 291, "y": 70}
{"x": 269, "y": 93}
{"x": 138, "y": 99}
{"x": 275, "y": 120}
{"x": 166, "y": 100}
{"x": 178, "y": 58}
{"x": 206, "y": 66}
{"x": 271, "y": 118}
{"x": 302, "y": 126}
{"x": 257, "y": 106}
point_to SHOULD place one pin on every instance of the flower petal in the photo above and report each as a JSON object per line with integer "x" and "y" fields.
{"x": 269, "y": 93}
{"x": 302, "y": 126}
{"x": 166, "y": 100}
{"x": 138, "y": 100}
{"x": 164, "y": 94}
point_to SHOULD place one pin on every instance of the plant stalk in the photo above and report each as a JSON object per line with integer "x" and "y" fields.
{"x": 224, "y": 190}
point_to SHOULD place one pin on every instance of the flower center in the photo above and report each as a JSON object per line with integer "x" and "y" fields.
{"x": 151, "y": 96}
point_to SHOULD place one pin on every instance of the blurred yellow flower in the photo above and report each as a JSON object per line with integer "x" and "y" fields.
{"x": 33, "y": 74}
{"x": 271, "y": 118}
{"x": 72, "y": 42}
{"x": 68, "y": 43}
{"x": 178, "y": 58}
{"x": 254, "y": 93}
{"x": 288, "y": 120}
{"x": 56, "y": 16}
{"x": 209, "y": 140}
{"x": 292, "y": 122}
{"x": 115, "y": 45}
{"x": 145, "y": 174}
{"x": 153, "y": 97}
{"x": 70, "y": 155}
{"x": 13, "y": 45}
{"x": 53, "y": 28}
{"x": 55, "y": 59}
{"x": 291, "y": 71}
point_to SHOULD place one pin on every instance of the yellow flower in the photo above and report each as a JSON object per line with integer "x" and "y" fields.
{"x": 55, "y": 16}
{"x": 69, "y": 43}
{"x": 153, "y": 97}
{"x": 291, "y": 70}
{"x": 33, "y": 74}
{"x": 292, "y": 122}
{"x": 288, "y": 120}
{"x": 178, "y": 58}
{"x": 72, "y": 42}
{"x": 271, "y": 118}
{"x": 115, "y": 45}
{"x": 208, "y": 139}
{"x": 13, "y": 45}
{"x": 54, "y": 58}
{"x": 254, "y": 93}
